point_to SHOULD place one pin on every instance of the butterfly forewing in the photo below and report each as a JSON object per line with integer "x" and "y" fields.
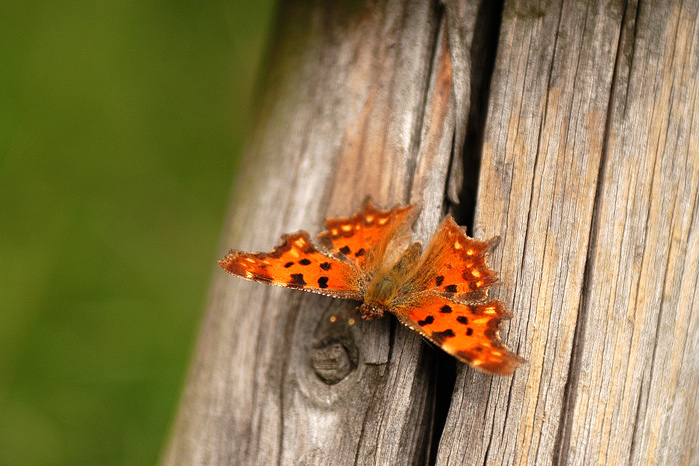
{"x": 364, "y": 237}
{"x": 297, "y": 263}
{"x": 454, "y": 264}
{"x": 467, "y": 331}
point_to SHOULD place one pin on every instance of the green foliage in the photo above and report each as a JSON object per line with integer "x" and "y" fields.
{"x": 120, "y": 126}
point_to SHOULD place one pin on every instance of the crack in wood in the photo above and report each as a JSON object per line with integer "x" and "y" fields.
{"x": 484, "y": 50}
{"x": 443, "y": 383}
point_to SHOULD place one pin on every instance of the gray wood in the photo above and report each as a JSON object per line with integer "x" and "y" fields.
{"x": 589, "y": 172}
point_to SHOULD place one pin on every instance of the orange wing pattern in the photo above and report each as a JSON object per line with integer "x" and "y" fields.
{"x": 454, "y": 263}
{"x": 364, "y": 237}
{"x": 468, "y": 332}
{"x": 296, "y": 263}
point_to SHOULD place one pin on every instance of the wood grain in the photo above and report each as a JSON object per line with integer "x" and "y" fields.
{"x": 589, "y": 173}
{"x": 585, "y": 149}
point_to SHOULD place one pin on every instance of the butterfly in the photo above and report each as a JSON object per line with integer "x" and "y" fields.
{"x": 440, "y": 293}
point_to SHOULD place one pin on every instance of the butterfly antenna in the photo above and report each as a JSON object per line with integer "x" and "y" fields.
{"x": 350, "y": 321}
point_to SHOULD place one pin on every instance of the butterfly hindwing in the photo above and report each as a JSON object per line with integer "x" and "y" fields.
{"x": 297, "y": 263}
{"x": 468, "y": 332}
{"x": 365, "y": 237}
{"x": 455, "y": 264}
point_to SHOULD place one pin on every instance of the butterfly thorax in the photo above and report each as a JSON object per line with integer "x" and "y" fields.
{"x": 386, "y": 284}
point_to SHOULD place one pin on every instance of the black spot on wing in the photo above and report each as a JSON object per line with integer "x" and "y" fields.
{"x": 469, "y": 332}
{"x": 288, "y": 264}
{"x": 446, "y": 309}
{"x": 345, "y": 250}
{"x": 439, "y": 280}
{"x": 297, "y": 280}
{"x": 359, "y": 253}
{"x": 304, "y": 262}
{"x": 439, "y": 337}
{"x": 323, "y": 282}
{"x": 428, "y": 320}
{"x": 462, "y": 320}
{"x": 450, "y": 288}
{"x": 325, "y": 266}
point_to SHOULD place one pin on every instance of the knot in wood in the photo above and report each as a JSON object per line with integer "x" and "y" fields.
{"x": 332, "y": 361}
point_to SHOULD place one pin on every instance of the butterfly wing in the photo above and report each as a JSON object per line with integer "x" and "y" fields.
{"x": 454, "y": 264}
{"x": 365, "y": 237}
{"x": 297, "y": 263}
{"x": 468, "y": 332}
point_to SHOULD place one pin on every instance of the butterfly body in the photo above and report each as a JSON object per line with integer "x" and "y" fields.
{"x": 387, "y": 286}
{"x": 440, "y": 293}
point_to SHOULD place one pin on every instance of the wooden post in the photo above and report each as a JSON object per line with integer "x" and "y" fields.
{"x": 587, "y": 137}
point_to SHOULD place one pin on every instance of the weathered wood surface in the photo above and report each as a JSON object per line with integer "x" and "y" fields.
{"x": 588, "y": 145}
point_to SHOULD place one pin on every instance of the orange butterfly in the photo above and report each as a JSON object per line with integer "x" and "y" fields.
{"x": 440, "y": 294}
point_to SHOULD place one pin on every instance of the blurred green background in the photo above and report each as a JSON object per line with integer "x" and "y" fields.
{"x": 121, "y": 123}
